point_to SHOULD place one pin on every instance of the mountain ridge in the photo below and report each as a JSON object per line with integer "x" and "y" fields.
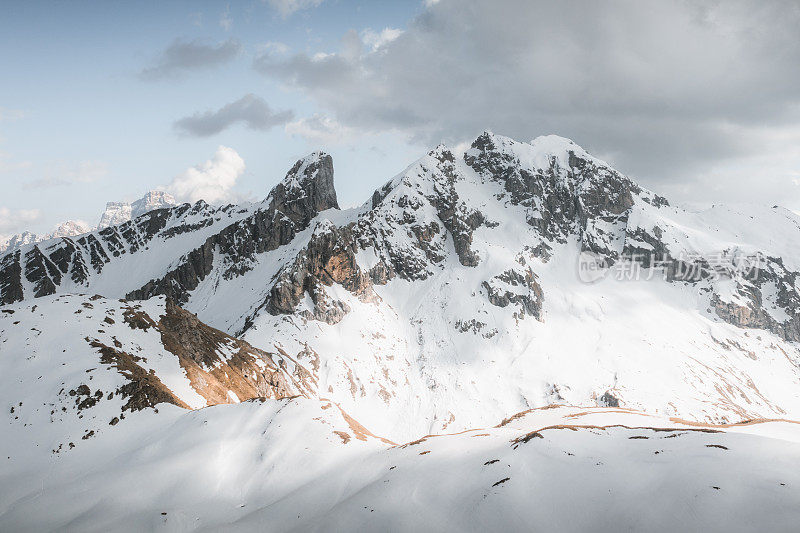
{"x": 457, "y": 284}
{"x": 114, "y": 214}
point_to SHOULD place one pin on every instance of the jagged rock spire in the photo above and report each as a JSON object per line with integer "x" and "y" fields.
{"x": 307, "y": 188}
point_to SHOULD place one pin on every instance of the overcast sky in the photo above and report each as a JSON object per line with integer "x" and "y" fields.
{"x": 699, "y": 101}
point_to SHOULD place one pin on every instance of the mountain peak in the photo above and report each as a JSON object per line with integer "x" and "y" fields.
{"x": 150, "y": 201}
{"x": 442, "y": 152}
{"x": 563, "y": 149}
{"x": 71, "y": 228}
{"x": 121, "y": 212}
{"x": 307, "y": 188}
{"x": 311, "y": 178}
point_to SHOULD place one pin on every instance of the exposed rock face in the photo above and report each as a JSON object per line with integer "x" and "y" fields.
{"x": 513, "y": 287}
{"x": 457, "y": 218}
{"x": 329, "y": 258}
{"x": 142, "y": 389}
{"x": 213, "y": 361}
{"x": 120, "y": 212}
{"x": 780, "y": 315}
{"x": 306, "y": 190}
{"x": 217, "y": 363}
{"x": 115, "y": 213}
{"x": 151, "y": 201}
{"x": 426, "y": 206}
{"x": 608, "y": 400}
{"x": 565, "y": 193}
{"x": 570, "y": 193}
{"x": 11, "y": 278}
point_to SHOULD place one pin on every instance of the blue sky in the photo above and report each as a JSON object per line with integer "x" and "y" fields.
{"x": 699, "y": 102}
{"x": 75, "y": 108}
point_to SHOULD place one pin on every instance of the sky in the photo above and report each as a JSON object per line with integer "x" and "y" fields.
{"x": 103, "y": 101}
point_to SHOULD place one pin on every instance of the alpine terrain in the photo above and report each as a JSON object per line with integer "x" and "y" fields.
{"x": 513, "y": 337}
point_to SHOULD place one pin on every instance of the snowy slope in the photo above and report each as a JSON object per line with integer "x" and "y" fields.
{"x": 304, "y": 465}
{"x": 75, "y": 367}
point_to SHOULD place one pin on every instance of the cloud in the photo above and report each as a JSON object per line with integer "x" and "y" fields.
{"x": 8, "y": 164}
{"x": 15, "y": 220}
{"x": 249, "y": 110}
{"x": 320, "y": 130}
{"x": 665, "y": 90}
{"x": 225, "y": 20}
{"x": 85, "y": 171}
{"x": 375, "y": 40}
{"x": 211, "y": 181}
{"x": 182, "y": 57}
{"x": 288, "y": 7}
{"x": 273, "y": 47}
{"x": 10, "y": 114}
{"x": 63, "y": 174}
{"x": 45, "y": 183}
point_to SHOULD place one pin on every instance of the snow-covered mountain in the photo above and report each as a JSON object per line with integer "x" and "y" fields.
{"x": 70, "y": 228}
{"x": 454, "y": 295}
{"x": 115, "y": 213}
{"x": 121, "y": 212}
{"x": 470, "y": 287}
{"x": 10, "y": 243}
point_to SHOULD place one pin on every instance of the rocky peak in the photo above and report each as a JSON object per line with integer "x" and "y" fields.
{"x": 307, "y": 188}
{"x": 442, "y": 153}
{"x": 9, "y": 244}
{"x": 544, "y": 153}
{"x": 115, "y": 213}
{"x": 547, "y": 149}
{"x": 120, "y": 212}
{"x": 150, "y": 201}
{"x": 484, "y": 142}
{"x": 71, "y": 228}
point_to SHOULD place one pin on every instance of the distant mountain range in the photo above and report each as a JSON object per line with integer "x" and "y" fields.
{"x": 115, "y": 213}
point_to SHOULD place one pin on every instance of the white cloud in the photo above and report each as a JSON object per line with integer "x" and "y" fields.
{"x": 60, "y": 174}
{"x": 86, "y": 171}
{"x": 287, "y": 7}
{"x": 225, "y": 20}
{"x": 15, "y": 220}
{"x": 10, "y": 114}
{"x": 211, "y": 181}
{"x": 320, "y": 130}
{"x": 7, "y": 163}
{"x": 273, "y": 47}
{"x": 376, "y": 40}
